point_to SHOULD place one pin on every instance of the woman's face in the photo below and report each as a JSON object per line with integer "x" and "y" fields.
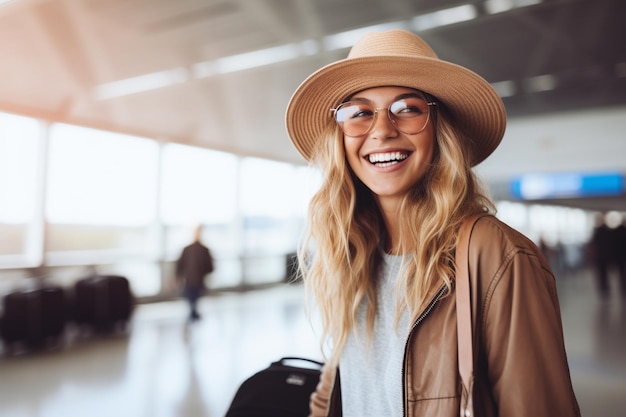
{"x": 388, "y": 161}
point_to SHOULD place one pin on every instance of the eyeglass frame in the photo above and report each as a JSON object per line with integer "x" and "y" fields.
{"x": 430, "y": 102}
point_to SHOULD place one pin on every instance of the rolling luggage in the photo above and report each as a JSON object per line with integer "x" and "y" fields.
{"x": 103, "y": 302}
{"x": 34, "y": 317}
{"x": 280, "y": 390}
{"x": 55, "y": 310}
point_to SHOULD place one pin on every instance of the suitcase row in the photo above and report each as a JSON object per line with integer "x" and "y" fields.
{"x": 38, "y": 317}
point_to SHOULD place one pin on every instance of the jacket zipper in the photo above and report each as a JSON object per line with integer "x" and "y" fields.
{"x": 421, "y": 318}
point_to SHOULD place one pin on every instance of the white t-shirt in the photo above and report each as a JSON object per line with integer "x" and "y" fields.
{"x": 371, "y": 374}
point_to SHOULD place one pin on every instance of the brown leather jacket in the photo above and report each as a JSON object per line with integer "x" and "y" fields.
{"x": 521, "y": 368}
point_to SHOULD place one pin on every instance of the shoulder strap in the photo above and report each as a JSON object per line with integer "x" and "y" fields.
{"x": 464, "y": 315}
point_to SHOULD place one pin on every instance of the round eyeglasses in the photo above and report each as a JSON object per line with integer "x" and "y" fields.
{"x": 409, "y": 114}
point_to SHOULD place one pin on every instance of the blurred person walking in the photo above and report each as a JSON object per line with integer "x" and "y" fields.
{"x": 601, "y": 250}
{"x": 608, "y": 252}
{"x": 192, "y": 267}
{"x": 620, "y": 255}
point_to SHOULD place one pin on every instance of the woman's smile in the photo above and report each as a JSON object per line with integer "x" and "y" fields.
{"x": 385, "y": 159}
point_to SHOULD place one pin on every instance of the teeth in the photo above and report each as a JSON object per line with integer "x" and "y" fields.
{"x": 386, "y": 157}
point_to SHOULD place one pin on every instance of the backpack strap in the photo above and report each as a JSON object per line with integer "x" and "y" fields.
{"x": 464, "y": 315}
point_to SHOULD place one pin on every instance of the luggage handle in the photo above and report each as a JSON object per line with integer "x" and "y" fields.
{"x": 296, "y": 358}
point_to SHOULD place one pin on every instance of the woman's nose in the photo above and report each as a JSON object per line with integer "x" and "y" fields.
{"x": 382, "y": 127}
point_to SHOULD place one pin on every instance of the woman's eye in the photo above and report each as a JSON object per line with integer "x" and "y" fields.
{"x": 353, "y": 111}
{"x": 413, "y": 110}
{"x": 362, "y": 113}
{"x": 407, "y": 109}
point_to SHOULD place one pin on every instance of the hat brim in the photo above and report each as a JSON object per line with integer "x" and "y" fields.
{"x": 475, "y": 106}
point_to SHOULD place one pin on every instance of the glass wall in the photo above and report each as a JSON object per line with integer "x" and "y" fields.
{"x": 78, "y": 201}
{"x": 101, "y": 193}
{"x": 100, "y": 204}
{"x": 20, "y": 169}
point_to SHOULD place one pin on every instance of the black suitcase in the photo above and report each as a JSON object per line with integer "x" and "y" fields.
{"x": 102, "y": 302}
{"x": 34, "y": 317}
{"x": 121, "y": 299}
{"x": 20, "y": 319}
{"x": 280, "y": 390}
{"x": 55, "y": 310}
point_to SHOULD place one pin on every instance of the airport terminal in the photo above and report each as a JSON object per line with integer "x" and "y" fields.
{"x": 130, "y": 129}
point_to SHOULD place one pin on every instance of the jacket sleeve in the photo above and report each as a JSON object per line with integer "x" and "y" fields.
{"x": 180, "y": 264}
{"x": 319, "y": 401}
{"x": 523, "y": 337}
{"x": 209, "y": 262}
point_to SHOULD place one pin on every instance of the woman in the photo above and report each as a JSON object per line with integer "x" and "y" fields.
{"x": 396, "y": 132}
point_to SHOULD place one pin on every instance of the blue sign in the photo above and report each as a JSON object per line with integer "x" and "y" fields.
{"x": 567, "y": 185}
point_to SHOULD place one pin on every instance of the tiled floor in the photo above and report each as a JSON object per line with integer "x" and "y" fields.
{"x": 163, "y": 368}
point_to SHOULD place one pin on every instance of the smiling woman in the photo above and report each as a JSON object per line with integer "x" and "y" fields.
{"x": 396, "y": 155}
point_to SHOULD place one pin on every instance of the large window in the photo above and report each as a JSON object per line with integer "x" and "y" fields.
{"x": 20, "y": 168}
{"x": 101, "y": 201}
{"x": 79, "y": 201}
{"x": 101, "y": 178}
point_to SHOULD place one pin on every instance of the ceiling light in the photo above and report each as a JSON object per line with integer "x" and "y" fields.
{"x": 505, "y": 88}
{"x": 258, "y": 58}
{"x": 444, "y": 17}
{"x": 541, "y": 83}
{"x": 254, "y": 59}
{"x": 348, "y": 38}
{"x": 499, "y": 6}
{"x": 309, "y": 47}
{"x": 141, "y": 83}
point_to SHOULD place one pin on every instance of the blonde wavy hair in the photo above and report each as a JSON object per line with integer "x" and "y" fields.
{"x": 340, "y": 255}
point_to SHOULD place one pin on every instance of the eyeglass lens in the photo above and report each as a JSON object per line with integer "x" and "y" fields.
{"x": 409, "y": 115}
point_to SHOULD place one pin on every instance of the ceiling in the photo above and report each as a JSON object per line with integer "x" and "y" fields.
{"x": 63, "y": 60}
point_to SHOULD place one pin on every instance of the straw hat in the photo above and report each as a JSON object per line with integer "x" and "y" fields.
{"x": 397, "y": 58}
